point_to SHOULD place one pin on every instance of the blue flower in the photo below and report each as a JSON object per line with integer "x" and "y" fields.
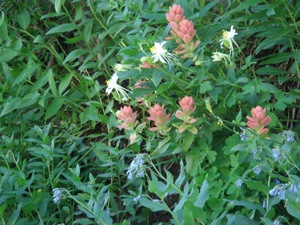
{"x": 137, "y": 167}
{"x": 274, "y": 191}
{"x": 276, "y": 154}
{"x": 239, "y": 183}
{"x": 257, "y": 169}
{"x": 290, "y": 135}
{"x": 293, "y": 188}
{"x": 58, "y": 194}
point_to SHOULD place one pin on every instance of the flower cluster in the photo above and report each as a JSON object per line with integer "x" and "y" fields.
{"x": 188, "y": 107}
{"x": 128, "y": 117}
{"x": 58, "y": 194}
{"x": 159, "y": 53}
{"x": 258, "y": 121}
{"x": 182, "y": 31}
{"x": 228, "y": 41}
{"x": 137, "y": 167}
{"x": 281, "y": 189}
{"x": 157, "y": 114}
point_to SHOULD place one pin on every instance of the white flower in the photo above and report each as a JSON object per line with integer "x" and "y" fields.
{"x": 228, "y": 39}
{"x": 161, "y": 54}
{"x": 112, "y": 84}
{"x": 218, "y": 57}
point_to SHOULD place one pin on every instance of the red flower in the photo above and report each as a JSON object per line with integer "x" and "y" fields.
{"x": 259, "y": 120}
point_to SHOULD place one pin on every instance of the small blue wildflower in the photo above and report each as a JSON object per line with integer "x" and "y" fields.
{"x": 293, "y": 188}
{"x": 276, "y": 222}
{"x": 277, "y": 181}
{"x": 58, "y": 194}
{"x": 276, "y": 154}
{"x": 136, "y": 199}
{"x": 257, "y": 169}
{"x": 136, "y": 168}
{"x": 274, "y": 191}
{"x": 290, "y": 135}
{"x": 264, "y": 204}
{"x": 243, "y": 134}
{"x": 239, "y": 183}
{"x": 281, "y": 192}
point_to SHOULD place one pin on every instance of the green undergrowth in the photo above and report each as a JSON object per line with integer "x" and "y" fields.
{"x": 63, "y": 158}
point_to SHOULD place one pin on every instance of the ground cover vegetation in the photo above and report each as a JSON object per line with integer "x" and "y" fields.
{"x": 149, "y": 112}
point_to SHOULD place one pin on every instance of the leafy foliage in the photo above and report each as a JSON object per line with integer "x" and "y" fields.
{"x": 64, "y": 159}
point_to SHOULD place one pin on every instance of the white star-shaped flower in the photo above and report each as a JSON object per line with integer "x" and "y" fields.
{"x": 112, "y": 84}
{"x": 228, "y": 39}
{"x": 159, "y": 53}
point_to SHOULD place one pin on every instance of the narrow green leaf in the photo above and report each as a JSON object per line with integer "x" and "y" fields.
{"x": 57, "y": 5}
{"x": 3, "y": 28}
{"x": 54, "y": 107}
{"x": 66, "y": 27}
{"x": 74, "y": 55}
{"x": 88, "y": 30}
{"x": 64, "y": 83}
{"x": 203, "y": 196}
{"x": 277, "y": 58}
{"x": 14, "y": 217}
{"x": 51, "y": 81}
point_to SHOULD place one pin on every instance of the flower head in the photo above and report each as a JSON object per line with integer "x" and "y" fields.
{"x": 157, "y": 114}
{"x": 228, "y": 39}
{"x": 188, "y": 107}
{"x": 239, "y": 183}
{"x": 186, "y": 30}
{"x": 219, "y": 57}
{"x": 259, "y": 120}
{"x": 112, "y": 84}
{"x": 136, "y": 168}
{"x": 159, "y": 53}
{"x": 175, "y": 14}
{"x": 58, "y": 194}
{"x": 128, "y": 117}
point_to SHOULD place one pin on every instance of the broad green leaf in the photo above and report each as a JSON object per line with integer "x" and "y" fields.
{"x": 187, "y": 142}
{"x": 157, "y": 76}
{"x": 293, "y": 208}
{"x": 205, "y": 86}
{"x": 54, "y": 107}
{"x": 24, "y": 19}
{"x": 203, "y": 196}
{"x": 64, "y": 83}
{"x": 74, "y": 55}
{"x": 269, "y": 70}
{"x": 161, "y": 148}
{"x": 66, "y": 27}
{"x": 8, "y": 54}
{"x": 154, "y": 205}
{"x": 238, "y": 219}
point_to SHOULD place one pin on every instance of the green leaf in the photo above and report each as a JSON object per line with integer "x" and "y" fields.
{"x": 154, "y": 205}
{"x": 293, "y": 208}
{"x": 205, "y": 86}
{"x": 203, "y": 196}
{"x": 24, "y": 19}
{"x": 277, "y": 58}
{"x": 64, "y": 83}
{"x": 74, "y": 55}
{"x": 269, "y": 70}
{"x": 187, "y": 142}
{"x": 237, "y": 219}
{"x": 3, "y": 28}
{"x": 88, "y": 30}
{"x": 54, "y": 107}
{"x": 66, "y": 27}
{"x": 57, "y": 5}
{"x": 14, "y": 217}
{"x": 7, "y": 54}
{"x": 157, "y": 76}
{"x": 51, "y": 81}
